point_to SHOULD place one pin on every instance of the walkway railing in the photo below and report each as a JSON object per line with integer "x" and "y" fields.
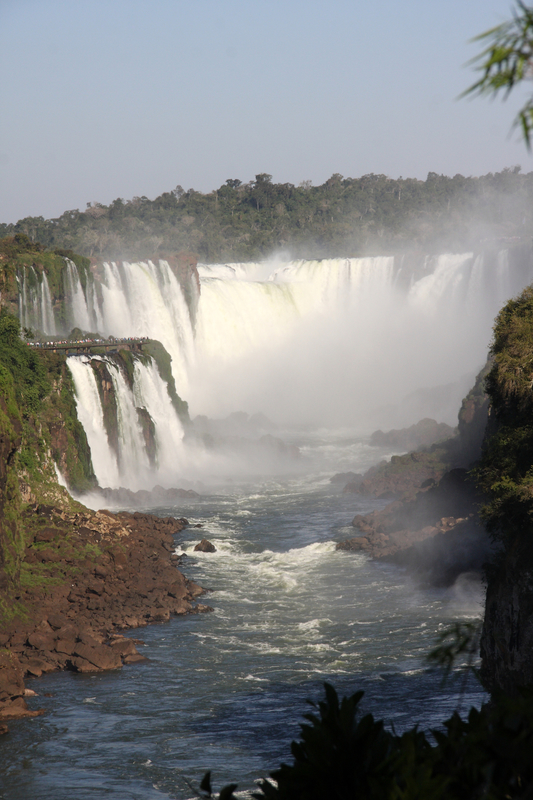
{"x": 83, "y": 346}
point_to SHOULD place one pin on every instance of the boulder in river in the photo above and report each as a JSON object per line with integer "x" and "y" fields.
{"x": 205, "y": 546}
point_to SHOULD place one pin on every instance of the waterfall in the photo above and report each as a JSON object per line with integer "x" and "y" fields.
{"x": 137, "y": 299}
{"x": 91, "y": 417}
{"x": 78, "y": 312}
{"x": 130, "y": 465}
{"x": 340, "y": 340}
{"x": 35, "y": 303}
{"x": 47, "y": 314}
{"x": 133, "y": 460}
{"x": 343, "y": 341}
{"x": 150, "y": 392}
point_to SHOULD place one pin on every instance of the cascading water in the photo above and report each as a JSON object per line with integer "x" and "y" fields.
{"x": 128, "y": 465}
{"x": 336, "y": 342}
{"x": 321, "y": 341}
{"x": 75, "y": 298}
{"x": 133, "y": 459}
{"x": 325, "y": 341}
{"x": 137, "y": 299}
{"x": 150, "y": 392}
{"x": 35, "y": 303}
{"x": 91, "y": 416}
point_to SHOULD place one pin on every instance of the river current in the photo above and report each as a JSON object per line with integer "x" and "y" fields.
{"x": 226, "y": 690}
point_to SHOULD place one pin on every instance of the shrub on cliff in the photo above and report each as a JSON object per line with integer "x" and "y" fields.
{"x": 505, "y": 472}
{"x": 38, "y": 391}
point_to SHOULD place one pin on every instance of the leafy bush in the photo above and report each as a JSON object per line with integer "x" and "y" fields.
{"x": 342, "y": 756}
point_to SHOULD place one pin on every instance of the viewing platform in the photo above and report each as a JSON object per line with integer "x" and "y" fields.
{"x": 86, "y": 346}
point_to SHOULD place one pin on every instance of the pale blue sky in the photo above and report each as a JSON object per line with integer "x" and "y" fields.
{"x": 115, "y": 98}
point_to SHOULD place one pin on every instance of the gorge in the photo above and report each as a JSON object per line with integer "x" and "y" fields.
{"x": 313, "y": 355}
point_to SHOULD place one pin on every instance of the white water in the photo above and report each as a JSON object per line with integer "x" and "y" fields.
{"x": 91, "y": 417}
{"x": 78, "y": 311}
{"x": 343, "y": 341}
{"x": 133, "y": 459}
{"x": 35, "y": 303}
{"x": 144, "y": 300}
{"x": 150, "y": 392}
{"x": 129, "y": 466}
{"x": 336, "y": 342}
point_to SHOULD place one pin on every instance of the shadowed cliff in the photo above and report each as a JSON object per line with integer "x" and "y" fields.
{"x": 505, "y": 474}
{"x": 431, "y": 525}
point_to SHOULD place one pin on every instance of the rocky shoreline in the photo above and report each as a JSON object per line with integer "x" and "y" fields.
{"x": 431, "y": 523}
{"x": 105, "y": 573}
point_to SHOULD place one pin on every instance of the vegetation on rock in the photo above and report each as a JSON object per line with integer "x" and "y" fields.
{"x": 20, "y": 255}
{"x": 505, "y": 474}
{"x": 38, "y": 426}
{"x": 506, "y": 471}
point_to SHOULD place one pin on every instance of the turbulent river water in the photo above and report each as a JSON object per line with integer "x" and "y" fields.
{"x": 226, "y": 690}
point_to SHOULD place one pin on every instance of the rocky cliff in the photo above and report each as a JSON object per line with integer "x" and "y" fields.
{"x": 431, "y": 524}
{"x": 505, "y": 473}
{"x": 430, "y": 519}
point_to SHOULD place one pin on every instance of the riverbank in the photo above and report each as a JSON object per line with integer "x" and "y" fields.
{"x": 431, "y": 525}
{"x": 102, "y": 573}
{"x": 435, "y": 532}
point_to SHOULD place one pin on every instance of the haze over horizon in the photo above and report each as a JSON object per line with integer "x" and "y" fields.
{"x": 132, "y": 98}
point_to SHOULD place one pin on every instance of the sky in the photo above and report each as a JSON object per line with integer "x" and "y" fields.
{"x": 102, "y": 99}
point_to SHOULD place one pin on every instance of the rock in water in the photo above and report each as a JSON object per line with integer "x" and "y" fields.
{"x": 205, "y": 546}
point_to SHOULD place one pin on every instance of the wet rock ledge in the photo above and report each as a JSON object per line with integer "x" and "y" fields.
{"x": 86, "y": 577}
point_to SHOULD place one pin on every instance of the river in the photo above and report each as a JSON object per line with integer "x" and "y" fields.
{"x": 226, "y": 690}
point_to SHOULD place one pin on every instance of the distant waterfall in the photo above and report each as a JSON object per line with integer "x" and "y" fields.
{"x": 346, "y": 339}
{"x": 75, "y": 299}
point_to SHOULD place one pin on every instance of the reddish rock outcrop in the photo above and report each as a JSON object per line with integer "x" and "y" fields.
{"x": 108, "y": 572}
{"x": 205, "y": 546}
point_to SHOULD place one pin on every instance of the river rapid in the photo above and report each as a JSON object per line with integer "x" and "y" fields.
{"x": 226, "y": 690}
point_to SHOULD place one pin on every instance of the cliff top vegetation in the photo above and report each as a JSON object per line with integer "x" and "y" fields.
{"x": 505, "y": 472}
{"x": 19, "y": 250}
{"x": 373, "y": 214}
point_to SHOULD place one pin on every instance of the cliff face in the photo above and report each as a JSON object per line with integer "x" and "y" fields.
{"x": 507, "y": 640}
{"x": 432, "y": 525}
{"x": 506, "y": 475}
{"x": 38, "y": 425}
{"x": 10, "y": 438}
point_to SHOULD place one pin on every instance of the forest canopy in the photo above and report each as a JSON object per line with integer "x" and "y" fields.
{"x": 370, "y": 215}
